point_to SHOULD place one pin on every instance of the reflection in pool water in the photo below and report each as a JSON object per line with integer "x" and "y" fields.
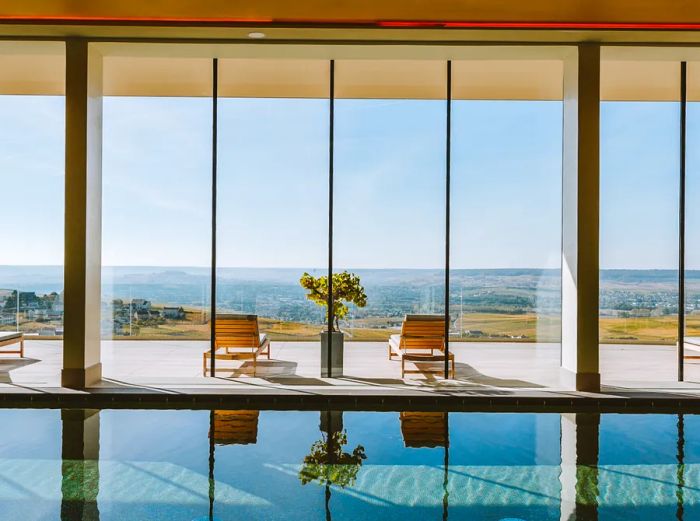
{"x": 226, "y": 465}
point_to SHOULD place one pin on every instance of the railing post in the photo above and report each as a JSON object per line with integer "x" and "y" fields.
{"x": 83, "y": 216}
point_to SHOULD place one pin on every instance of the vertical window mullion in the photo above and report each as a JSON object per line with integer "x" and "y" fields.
{"x": 215, "y": 107}
{"x": 681, "y": 225}
{"x": 448, "y": 149}
{"x": 331, "y": 124}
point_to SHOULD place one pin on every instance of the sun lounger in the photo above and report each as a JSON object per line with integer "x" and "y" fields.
{"x": 10, "y": 338}
{"x": 422, "y": 340}
{"x": 237, "y": 337}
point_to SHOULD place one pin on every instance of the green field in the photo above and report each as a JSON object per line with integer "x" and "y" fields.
{"x": 491, "y": 327}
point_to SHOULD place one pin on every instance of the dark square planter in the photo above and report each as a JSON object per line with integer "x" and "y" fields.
{"x": 336, "y": 345}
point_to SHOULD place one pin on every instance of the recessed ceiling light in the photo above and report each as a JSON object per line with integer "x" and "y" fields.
{"x": 256, "y": 35}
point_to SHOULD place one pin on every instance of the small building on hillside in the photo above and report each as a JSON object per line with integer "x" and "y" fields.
{"x": 140, "y": 305}
{"x": 173, "y": 313}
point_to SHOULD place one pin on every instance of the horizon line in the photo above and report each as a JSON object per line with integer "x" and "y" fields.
{"x": 325, "y": 268}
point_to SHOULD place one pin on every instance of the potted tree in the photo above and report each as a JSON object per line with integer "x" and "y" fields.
{"x": 346, "y": 290}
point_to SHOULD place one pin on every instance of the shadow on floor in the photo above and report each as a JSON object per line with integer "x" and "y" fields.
{"x": 111, "y": 385}
{"x": 265, "y": 369}
{"x": 11, "y": 364}
{"x": 465, "y": 373}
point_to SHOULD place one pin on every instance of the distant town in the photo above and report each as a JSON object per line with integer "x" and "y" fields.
{"x": 517, "y": 305}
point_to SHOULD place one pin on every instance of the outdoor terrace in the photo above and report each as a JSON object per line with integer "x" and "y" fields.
{"x": 482, "y": 369}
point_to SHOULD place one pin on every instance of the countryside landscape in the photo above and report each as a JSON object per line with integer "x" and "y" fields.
{"x": 513, "y": 305}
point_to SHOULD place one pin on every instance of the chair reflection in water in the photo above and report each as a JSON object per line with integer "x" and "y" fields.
{"x": 424, "y": 429}
{"x": 234, "y": 427}
{"x": 237, "y": 337}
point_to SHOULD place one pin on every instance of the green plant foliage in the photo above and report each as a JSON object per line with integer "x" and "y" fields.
{"x": 346, "y": 290}
{"x": 327, "y": 464}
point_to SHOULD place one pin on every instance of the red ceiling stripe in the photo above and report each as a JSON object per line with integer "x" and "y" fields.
{"x": 366, "y": 23}
{"x": 541, "y": 25}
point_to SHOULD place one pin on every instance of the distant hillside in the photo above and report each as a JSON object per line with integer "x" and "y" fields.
{"x": 50, "y": 278}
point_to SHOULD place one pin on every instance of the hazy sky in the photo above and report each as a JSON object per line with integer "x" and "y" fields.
{"x": 389, "y": 180}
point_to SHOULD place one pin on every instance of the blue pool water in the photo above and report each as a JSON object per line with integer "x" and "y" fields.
{"x": 246, "y": 465}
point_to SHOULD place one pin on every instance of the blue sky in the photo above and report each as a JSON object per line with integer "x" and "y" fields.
{"x": 389, "y": 175}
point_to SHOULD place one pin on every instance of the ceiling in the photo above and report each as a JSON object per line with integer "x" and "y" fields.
{"x": 388, "y": 13}
{"x": 483, "y": 74}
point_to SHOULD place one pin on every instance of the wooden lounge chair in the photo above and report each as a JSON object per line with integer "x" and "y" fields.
{"x": 9, "y": 338}
{"x": 235, "y": 427}
{"x": 424, "y": 429}
{"x": 422, "y": 340}
{"x": 237, "y": 338}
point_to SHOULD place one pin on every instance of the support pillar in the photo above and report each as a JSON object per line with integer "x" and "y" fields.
{"x": 80, "y": 466}
{"x": 83, "y": 216}
{"x": 580, "y": 220}
{"x": 579, "y": 466}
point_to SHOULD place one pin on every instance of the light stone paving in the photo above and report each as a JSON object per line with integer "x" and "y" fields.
{"x": 480, "y": 366}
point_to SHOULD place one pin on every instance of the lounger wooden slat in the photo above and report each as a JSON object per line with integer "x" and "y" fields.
{"x": 237, "y": 337}
{"x": 421, "y": 341}
{"x": 8, "y": 338}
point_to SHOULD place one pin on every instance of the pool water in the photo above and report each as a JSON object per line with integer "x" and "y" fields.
{"x": 247, "y": 465}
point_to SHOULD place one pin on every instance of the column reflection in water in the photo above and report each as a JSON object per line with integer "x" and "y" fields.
{"x": 80, "y": 464}
{"x": 579, "y": 466}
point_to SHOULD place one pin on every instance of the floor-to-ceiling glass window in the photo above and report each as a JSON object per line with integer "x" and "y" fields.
{"x": 692, "y": 224}
{"x": 639, "y": 180}
{"x": 156, "y": 239}
{"x": 506, "y": 171}
{"x": 32, "y": 115}
{"x": 389, "y": 206}
{"x": 272, "y": 214}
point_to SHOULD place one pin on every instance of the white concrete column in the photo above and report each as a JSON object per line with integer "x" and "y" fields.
{"x": 580, "y": 220}
{"x": 83, "y": 217}
{"x": 579, "y": 472}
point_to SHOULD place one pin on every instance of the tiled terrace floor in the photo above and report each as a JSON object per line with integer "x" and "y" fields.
{"x": 177, "y": 365}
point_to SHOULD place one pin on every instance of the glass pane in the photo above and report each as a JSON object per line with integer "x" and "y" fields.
{"x": 692, "y": 226}
{"x": 639, "y": 238}
{"x": 505, "y": 279}
{"x": 32, "y": 176}
{"x": 32, "y": 166}
{"x": 389, "y": 218}
{"x": 156, "y": 242}
{"x": 272, "y": 224}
